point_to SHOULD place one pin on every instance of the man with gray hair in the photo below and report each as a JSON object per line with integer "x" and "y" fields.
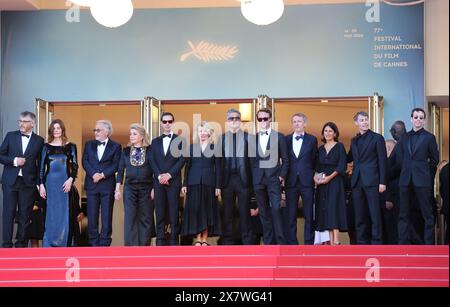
{"x": 100, "y": 161}
{"x": 19, "y": 153}
{"x": 236, "y": 179}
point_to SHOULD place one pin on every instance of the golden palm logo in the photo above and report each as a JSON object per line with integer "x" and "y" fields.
{"x": 208, "y": 52}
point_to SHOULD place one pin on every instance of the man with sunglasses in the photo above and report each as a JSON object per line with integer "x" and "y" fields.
{"x": 418, "y": 156}
{"x": 101, "y": 161}
{"x": 167, "y": 160}
{"x": 19, "y": 153}
{"x": 268, "y": 176}
{"x": 236, "y": 179}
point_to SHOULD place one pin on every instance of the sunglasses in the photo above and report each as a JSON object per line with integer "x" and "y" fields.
{"x": 265, "y": 119}
{"x": 167, "y": 121}
{"x": 419, "y": 117}
{"x": 234, "y": 118}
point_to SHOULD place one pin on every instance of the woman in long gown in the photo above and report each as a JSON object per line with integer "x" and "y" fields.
{"x": 202, "y": 185}
{"x": 58, "y": 171}
{"x": 329, "y": 178}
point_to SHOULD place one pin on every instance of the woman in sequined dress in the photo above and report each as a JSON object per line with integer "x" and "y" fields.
{"x": 135, "y": 166}
{"x": 58, "y": 171}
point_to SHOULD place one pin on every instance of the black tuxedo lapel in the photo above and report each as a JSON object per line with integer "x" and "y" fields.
{"x": 366, "y": 143}
{"x": 304, "y": 143}
{"x": 107, "y": 148}
{"x": 419, "y": 141}
{"x": 408, "y": 143}
{"x": 355, "y": 149}
{"x": 290, "y": 145}
{"x": 19, "y": 142}
{"x": 94, "y": 149}
{"x": 30, "y": 143}
{"x": 160, "y": 145}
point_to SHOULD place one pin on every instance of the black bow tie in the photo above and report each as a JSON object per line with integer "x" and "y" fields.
{"x": 101, "y": 143}
{"x": 166, "y": 136}
{"x": 26, "y": 135}
{"x": 298, "y": 137}
{"x": 264, "y": 133}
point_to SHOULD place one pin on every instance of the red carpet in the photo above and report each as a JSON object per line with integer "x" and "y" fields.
{"x": 227, "y": 266}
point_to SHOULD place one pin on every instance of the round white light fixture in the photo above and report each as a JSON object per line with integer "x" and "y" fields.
{"x": 112, "y": 13}
{"x": 86, "y": 3}
{"x": 262, "y": 12}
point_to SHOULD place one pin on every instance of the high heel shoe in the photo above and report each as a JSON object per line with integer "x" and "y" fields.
{"x": 197, "y": 243}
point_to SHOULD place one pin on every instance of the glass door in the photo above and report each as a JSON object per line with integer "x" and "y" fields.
{"x": 44, "y": 115}
{"x": 151, "y": 110}
{"x": 376, "y": 115}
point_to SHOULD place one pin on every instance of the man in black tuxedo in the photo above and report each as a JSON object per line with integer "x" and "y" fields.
{"x": 236, "y": 179}
{"x": 101, "y": 161}
{"x": 369, "y": 157}
{"x": 302, "y": 151}
{"x": 268, "y": 176}
{"x": 418, "y": 156}
{"x": 19, "y": 153}
{"x": 167, "y": 160}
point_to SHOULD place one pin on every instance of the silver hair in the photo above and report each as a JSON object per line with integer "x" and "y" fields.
{"x": 305, "y": 118}
{"x": 107, "y": 124}
{"x": 233, "y": 111}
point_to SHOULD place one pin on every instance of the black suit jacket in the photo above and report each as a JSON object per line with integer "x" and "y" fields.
{"x": 302, "y": 168}
{"x": 12, "y": 148}
{"x": 369, "y": 165}
{"x": 242, "y": 152}
{"x": 203, "y": 168}
{"x": 168, "y": 163}
{"x": 268, "y": 165}
{"x": 418, "y": 164}
{"x": 108, "y": 165}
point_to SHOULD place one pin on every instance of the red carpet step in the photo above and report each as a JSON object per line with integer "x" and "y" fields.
{"x": 227, "y": 266}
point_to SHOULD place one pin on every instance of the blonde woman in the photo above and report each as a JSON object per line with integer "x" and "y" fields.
{"x": 139, "y": 224}
{"x": 202, "y": 185}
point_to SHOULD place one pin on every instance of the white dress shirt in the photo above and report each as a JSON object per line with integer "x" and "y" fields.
{"x": 101, "y": 150}
{"x": 166, "y": 143}
{"x": 264, "y": 139}
{"x": 25, "y": 142}
{"x": 297, "y": 144}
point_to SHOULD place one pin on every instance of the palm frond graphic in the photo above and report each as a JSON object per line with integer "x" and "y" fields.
{"x": 208, "y": 52}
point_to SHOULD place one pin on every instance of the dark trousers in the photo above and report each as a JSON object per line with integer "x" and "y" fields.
{"x": 17, "y": 197}
{"x": 167, "y": 200}
{"x": 268, "y": 198}
{"x": 100, "y": 202}
{"x": 139, "y": 215}
{"x": 390, "y": 225}
{"x": 366, "y": 201}
{"x": 420, "y": 197}
{"x": 235, "y": 189}
{"x": 290, "y": 214}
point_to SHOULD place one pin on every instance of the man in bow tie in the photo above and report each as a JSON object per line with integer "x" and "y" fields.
{"x": 268, "y": 176}
{"x": 19, "y": 153}
{"x": 167, "y": 161}
{"x": 100, "y": 161}
{"x": 302, "y": 149}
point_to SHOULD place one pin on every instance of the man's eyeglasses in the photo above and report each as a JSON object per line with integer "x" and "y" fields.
{"x": 24, "y": 121}
{"x": 263, "y": 119}
{"x": 419, "y": 117}
{"x": 236, "y": 118}
{"x": 167, "y": 121}
{"x": 97, "y": 130}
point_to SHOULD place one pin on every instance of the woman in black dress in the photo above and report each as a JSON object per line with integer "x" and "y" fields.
{"x": 139, "y": 224}
{"x": 59, "y": 168}
{"x": 202, "y": 185}
{"x": 329, "y": 178}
